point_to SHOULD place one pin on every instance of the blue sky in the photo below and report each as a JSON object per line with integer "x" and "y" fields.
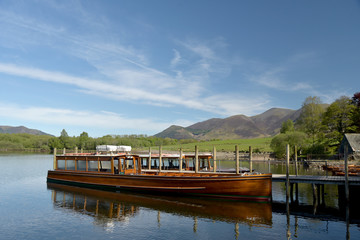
{"x": 137, "y": 67}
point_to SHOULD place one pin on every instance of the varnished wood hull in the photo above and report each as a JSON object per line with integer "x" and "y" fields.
{"x": 248, "y": 187}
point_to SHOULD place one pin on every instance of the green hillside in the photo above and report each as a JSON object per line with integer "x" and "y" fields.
{"x": 257, "y": 144}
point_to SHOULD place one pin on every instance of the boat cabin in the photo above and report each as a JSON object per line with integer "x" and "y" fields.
{"x": 124, "y": 163}
{"x": 115, "y": 164}
{"x": 172, "y": 161}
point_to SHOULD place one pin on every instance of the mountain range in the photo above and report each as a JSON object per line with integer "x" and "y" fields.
{"x": 235, "y": 127}
{"x": 21, "y": 129}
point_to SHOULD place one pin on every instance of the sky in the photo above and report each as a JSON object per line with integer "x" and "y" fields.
{"x": 139, "y": 66}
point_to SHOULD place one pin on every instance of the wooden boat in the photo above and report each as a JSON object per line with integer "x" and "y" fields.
{"x": 123, "y": 171}
{"x": 339, "y": 170}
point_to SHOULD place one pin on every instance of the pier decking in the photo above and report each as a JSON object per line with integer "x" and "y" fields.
{"x": 338, "y": 180}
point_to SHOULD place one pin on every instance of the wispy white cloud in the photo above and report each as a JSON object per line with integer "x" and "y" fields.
{"x": 127, "y": 70}
{"x": 177, "y": 58}
{"x": 278, "y": 77}
{"x": 275, "y": 79}
{"x": 69, "y": 117}
{"x": 219, "y": 104}
{"x": 205, "y": 57}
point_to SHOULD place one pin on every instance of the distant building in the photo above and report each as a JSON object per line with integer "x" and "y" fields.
{"x": 352, "y": 141}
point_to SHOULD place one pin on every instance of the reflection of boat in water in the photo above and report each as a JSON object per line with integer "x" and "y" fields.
{"x": 105, "y": 206}
{"x": 128, "y": 171}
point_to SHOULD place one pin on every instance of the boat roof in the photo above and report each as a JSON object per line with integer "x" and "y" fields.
{"x": 154, "y": 155}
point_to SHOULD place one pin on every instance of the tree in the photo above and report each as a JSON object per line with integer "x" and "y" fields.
{"x": 64, "y": 133}
{"x": 337, "y": 120}
{"x": 55, "y": 143}
{"x": 293, "y": 138}
{"x": 66, "y": 141}
{"x": 83, "y": 140}
{"x": 310, "y": 120}
{"x": 287, "y": 126}
{"x": 356, "y": 112}
{"x": 356, "y": 99}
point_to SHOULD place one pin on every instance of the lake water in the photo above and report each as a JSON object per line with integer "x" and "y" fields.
{"x": 32, "y": 209}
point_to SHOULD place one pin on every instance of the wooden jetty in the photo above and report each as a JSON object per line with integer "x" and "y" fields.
{"x": 337, "y": 180}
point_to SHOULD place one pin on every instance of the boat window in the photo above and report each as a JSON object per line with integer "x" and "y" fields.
{"x": 61, "y": 164}
{"x": 70, "y": 165}
{"x": 144, "y": 162}
{"x": 105, "y": 166}
{"x": 81, "y": 165}
{"x": 93, "y": 166}
{"x": 116, "y": 165}
{"x": 165, "y": 162}
{"x": 129, "y": 164}
{"x": 154, "y": 163}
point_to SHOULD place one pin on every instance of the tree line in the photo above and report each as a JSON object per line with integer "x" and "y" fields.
{"x": 320, "y": 127}
{"x": 46, "y": 143}
{"x": 319, "y": 130}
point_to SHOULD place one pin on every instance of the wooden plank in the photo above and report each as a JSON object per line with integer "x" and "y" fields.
{"x": 237, "y": 158}
{"x": 160, "y": 158}
{"x": 180, "y": 160}
{"x": 250, "y": 158}
{"x": 196, "y": 159}
{"x": 214, "y": 158}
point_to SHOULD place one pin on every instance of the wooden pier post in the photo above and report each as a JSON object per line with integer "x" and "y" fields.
{"x": 295, "y": 159}
{"x": 347, "y": 200}
{"x": 346, "y": 173}
{"x": 160, "y": 158}
{"x": 214, "y": 158}
{"x": 112, "y": 165}
{"x": 315, "y": 197}
{"x": 287, "y": 171}
{"x": 237, "y": 232}
{"x": 237, "y": 159}
{"x": 149, "y": 159}
{"x": 250, "y": 159}
{"x": 55, "y": 161}
{"x": 195, "y": 224}
{"x": 196, "y": 159}
{"x": 288, "y": 233}
{"x": 296, "y": 193}
{"x": 180, "y": 160}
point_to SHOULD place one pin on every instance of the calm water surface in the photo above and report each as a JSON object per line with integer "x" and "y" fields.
{"x": 32, "y": 209}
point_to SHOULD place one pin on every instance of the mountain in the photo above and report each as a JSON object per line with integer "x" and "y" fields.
{"x": 175, "y": 132}
{"x": 234, "y": 127}
{"x": 21, "y": 129}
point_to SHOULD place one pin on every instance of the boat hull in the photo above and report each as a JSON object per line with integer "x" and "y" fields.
{"x": 247, "y": 187}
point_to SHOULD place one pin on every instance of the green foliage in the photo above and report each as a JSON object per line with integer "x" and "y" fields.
{"x": 318, "y": 131}
{"x": 337, "y": 120}
{"x": 293, "y": 138}
{"x": 260, "y": 144}
{"x": 287, "y": 126}
{"x": 23, "y": 141}
{"x": 310, "y": 120}
{"x": 64, "y": 133}
{"x": 355, "y": 101}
